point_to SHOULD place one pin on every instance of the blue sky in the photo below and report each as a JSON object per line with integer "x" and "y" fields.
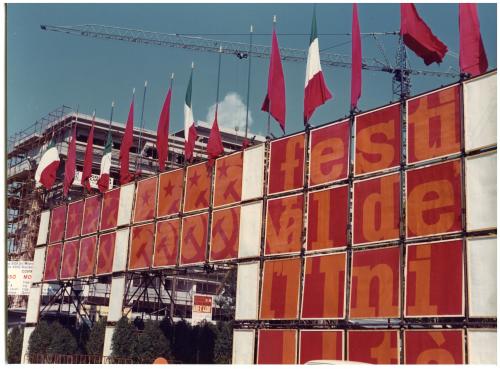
{"x": 47, "y": 69}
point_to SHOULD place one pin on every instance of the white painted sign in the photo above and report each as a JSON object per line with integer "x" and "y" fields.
{"x": 19, "y": 277}
{"x": 93, "y": 180}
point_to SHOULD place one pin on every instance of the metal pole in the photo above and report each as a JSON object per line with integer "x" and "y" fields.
{"x": 248, "y": 81}
{"x": 139, "y": 153}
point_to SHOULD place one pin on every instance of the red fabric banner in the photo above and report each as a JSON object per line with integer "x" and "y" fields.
{"x": 126, "y": 144}
{"x": 473, "y": 58}
{"x": 355, "y": 59}
{"x": 162, "y": 132}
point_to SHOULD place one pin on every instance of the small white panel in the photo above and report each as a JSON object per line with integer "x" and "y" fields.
{"x": 126, "y": 200}
{"x": 108, "y": 336}
{"x": 481, "y": 186}
{"x": 38, "y": 265}
{"x": 243, "y": 346}
{"x": 480, "y": 112}
{"x": 43, "y": 229}
{"x": 247, "y": 291}
{"x": 482, "y": 346}
{"x": 482, "y": 275}
{"x": 33, "y": 304}
{"x": 253, "y": 173}
{"x": 121, "y": 249}
{"x": 26, "y": 339}
{"x": 116, "y": 299}
{"x": 250, "y": 230}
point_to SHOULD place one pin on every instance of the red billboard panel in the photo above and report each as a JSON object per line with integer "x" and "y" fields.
{"x": 434, "y": 199}
{"x": 324, "y": 287}
{"x": 434, "y": 346}
{"x": 321, "y": 345}
{"x": 194, "y": 239}
{"x": 91, "y": 215}
{"x": 57, "y": 221}
{"x": 69, "y": 259}
{"x": 376, "y": 209}
{"x": 109, "y": 214}
{"x": 52, "y": 262}
{"x": 86, "y": 260}
{"x": 375, "y": 284}
{"x": 280, "y": 289}
{"x": 286, "y": 167}
{"x": 145, "y": 200}
{"x": 373, "y": 346}
{"x": 277, "y": 346}
{"x": 284, "y": 225}
{"x": 378, "y": 140}
{"x": 225, "y": 234}
{"x": 74, "y": 220}
{"x": 228, "y": 179}
{"x": 106, "y": 253}
{"x": 166, "y": 243}
{"x": 434, "y": 127}
{"x": 329, "y": 154}
{"x": 197, "y": 187}
{"x": 170, "y": 189}
{"x": 434, "y": 279}
{"x": 327, "y": 219}
{"x": 141, "y": 247}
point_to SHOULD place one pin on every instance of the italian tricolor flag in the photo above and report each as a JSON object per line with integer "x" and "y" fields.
{"x": 316, "y": 92}
{"x": 103, "y": 181}
{"x": 189, "y": 128}
{"x": 49, "y": 163}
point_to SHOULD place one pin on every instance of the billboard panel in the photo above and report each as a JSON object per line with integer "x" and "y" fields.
{"x": 373, "y": 346}
{"x": 125, "y": 206}
{"x": 116, "y": 299}
{"x": 141, "y": 246}
{"x": 225, "y": 234}
{"x": 280, "y": 289}
{"x": 19, "y": 273}
{"x": 250, "y": 230}
{"x": 277, "y": 346}
{"x": 74, "y": 219}
{"x": 434, "y": 127}
{"x": 243, "y": 346}
{"x": 145, "y": 196}
{"x": 375, "y": 283}
{"x": 43, "y": 228}
{"x": 33, "y": 308}
{"x": 435, "y": 279}
{"x": 70, "y": 259}
{"x": 57, "y": 221}
{"x": 482, "y": 346}
{"x": 105, "y": 253}
{"x": 247, "y": 291}
{"x": 286, "y": 164}
{"x": 198, "y": 180}
{"x": 194, "y": 239}
{"x": 109, "y": 213}
{"x": 52, "y": 262}
{"x": 327, "y": 219}
{"x": 376, "y": 213}
{"x": 434, "y": 346}
{"x": 284, "y": 225}
{"x": 38, "y": 263}
{"x": 170, "y": 189}
{"x": 86, "y": 260}
{"x": 166, "y": 243}
{"x": 121, "y": 250}
{"x": 434, "y": 199}
{"x": 329, "y": 153}
{"x": 321, "y": 345}
{"x": 378, "y": 140}
{"x": 253, "y": 172}
{"x": 228, "y": 179}
{"x": 323, "y": 296}
{"x": 91, "y": 213}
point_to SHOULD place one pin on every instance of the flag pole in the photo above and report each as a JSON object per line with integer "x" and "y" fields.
{"x": 111, "y": 116}
{"x": 218, "y": 82}
{"x": 81, "y": 181}
{"x": 248, "y": 81}
{"x": 269, "y": 110}
{"x": 139, "y": 153}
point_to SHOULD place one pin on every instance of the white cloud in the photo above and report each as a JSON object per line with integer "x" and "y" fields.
{"x": 232, "y": 113}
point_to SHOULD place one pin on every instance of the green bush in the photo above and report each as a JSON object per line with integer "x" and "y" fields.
{"x": 223, "y": 346}
{"x": 14, "y": 345}
{"x": 51, "y": 338}
{"x": 95, "y": 342}
{"x": 123, "y": 339}
{"x": 150, "y": 344}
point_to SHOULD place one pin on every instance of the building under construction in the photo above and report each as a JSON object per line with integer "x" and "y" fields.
{"x": 25, "y": 148}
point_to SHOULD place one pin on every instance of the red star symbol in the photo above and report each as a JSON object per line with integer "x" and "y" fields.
{"x": 194, "y": 179}
{"x": 145, "y": 198}
{"x": 168, "y": 188}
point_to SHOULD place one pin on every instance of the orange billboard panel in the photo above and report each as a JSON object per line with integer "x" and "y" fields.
{"x": 280, "y": 289}
{"x": 106, "y": 252}
{"x": 286, "y": 165}
{"x": 434, "y": 128}
{"x": 373, "y": 346}
{"x": 228, "y": 179}
{"x": 324, "y": 287}
{"x": 91, "y": 215}
{"x": 194, "y": 239}
{"x": 109, "y": 214}
{"x": 329, "y": 153}
{"x": 170, "y": 189}
{"x": 52, "y": 262}
{"x": 321, "y": 345}
{"x": 74, "y": 220}
{"x": 378, "y": 140}
{"x": 277, "y": 346}
{"x": 141, "y": 246}
{"x": 166, "y": 243}
{"x": 434, "y": 346}
{"x": 145, "y": 199}
{"x": 198, "y": 179}
{"x": 69, "y": 259}
{"x": 225, "y": 234}
{"x": 57, "y": 221}
{"x": 86, "y": 260}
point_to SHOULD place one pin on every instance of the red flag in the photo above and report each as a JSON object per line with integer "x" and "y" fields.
{"x": 473, "y": 58}
{"x": 355, "y": 59}
{"x": 275, "y": 102}
{"x": 419, "y": 37}
{"x": 162, "y": 134}
{"x": 125, "y": 175}
{"x": 70, "y": 167}
{"x": 87, "y": 163}
{"x": 214, "y": 146}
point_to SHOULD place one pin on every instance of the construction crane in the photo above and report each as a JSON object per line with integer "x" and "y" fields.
{"x": 400, "y": 71}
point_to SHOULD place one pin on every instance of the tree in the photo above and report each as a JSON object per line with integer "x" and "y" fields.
{"x": 183, "y": 346}
{"x": 14, "y": 345}
{"x": 123, "y": 339}
{"x": 62, "y": 341}
{"x": 223, "y": 343}
{"x": 151, "y": 343}
{"x": 95, "y": 341}
{"x": 39, "y": 340}
{"x": 205, "y": 339}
